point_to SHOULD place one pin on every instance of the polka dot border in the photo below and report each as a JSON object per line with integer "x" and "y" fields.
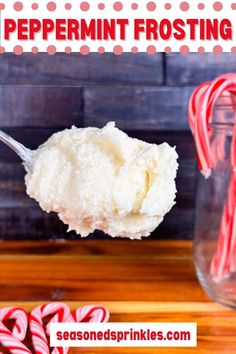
{"x": 35, "y": 6}
{"x": 118, "y": 50}
{"x": 134, "y": 50}
{"x": 34, "y": 50}
{"x": 217, "y": 6}
{"x": 151, "y": 50}
{"x": 18, "y": 6}
{"x": 101, "y": 6}
{"x": 151, "y": 6}
{"x": 168, "y": 6}
{"x": 51, "y": 6}
{"x": 184, "y": 50}
{"x": 118, "y": 6}
{"x": 168, "y": 50}
{"x": 18, "y": 50}
{"x": 101, "y": 50}
{"x": 201, "y": 50}
{"x": 201, "y": 6}
{"x": 84, "y": 6}
{"x": 217, "y": 49}
{"x": 184, "y": 6}
{"x": 68, "y": 50}
{"x": 68, "y": 6}
{"x": 134, "y": 6}
{"x": 84, "y": 50}
{"x": 51, "y": 50}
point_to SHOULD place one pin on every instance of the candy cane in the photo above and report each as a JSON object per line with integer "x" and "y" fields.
{"x": 223, "y": 261}
{"x": 91, "y": 313}
{"x": 12, "y": 340}
{"x": 200, "y": 114}
{"x": 233, "y": 145}
{"x": 39, "y": 339}
{"x": 59, "y": 312}
{"x": 220, "y": 264}
{"x": 21, "y": 320}
{"x": 203, "y": 119}
{"x": 233, "y": 246}
{"x": 194, "y": 103}
{"x": 201, "y": 105}
{"x": 233, "y": 163}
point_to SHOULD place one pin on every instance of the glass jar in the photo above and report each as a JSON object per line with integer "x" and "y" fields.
{"x": 211, "y": 199}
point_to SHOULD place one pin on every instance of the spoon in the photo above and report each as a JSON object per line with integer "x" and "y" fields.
{"x": 23, "y": 152}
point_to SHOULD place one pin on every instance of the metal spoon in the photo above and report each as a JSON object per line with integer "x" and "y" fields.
{"x": 24, "y": 153}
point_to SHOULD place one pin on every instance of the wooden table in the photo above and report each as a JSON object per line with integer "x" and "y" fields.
{"x": 149, "y": 281}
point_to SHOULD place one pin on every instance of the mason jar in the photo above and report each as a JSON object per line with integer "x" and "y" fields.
{"x": 218, "y": 280}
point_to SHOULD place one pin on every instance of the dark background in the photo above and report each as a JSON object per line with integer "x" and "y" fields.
{"x": 147, "y": 96}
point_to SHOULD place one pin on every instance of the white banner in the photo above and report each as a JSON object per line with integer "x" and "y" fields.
{"x": 117, "y": 26}
{"x": 123, "y": 334}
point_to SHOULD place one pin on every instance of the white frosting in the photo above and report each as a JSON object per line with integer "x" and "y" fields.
{"x": 103, "y": 179}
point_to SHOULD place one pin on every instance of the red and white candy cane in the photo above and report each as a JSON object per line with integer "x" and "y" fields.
{"x": 233, "y": 145}
{"x": 233, "y": 246}
{"x": 218, "y": 87}
{"x": 12, "y": 340}
{"x": 224, "y": 260}
{"x": 60, "y": 313}
{"x": 91, "y": 313}
{"x": 200, "y": 110}
{"x": 220, "y": 265}
{"x": 194, "y": 103}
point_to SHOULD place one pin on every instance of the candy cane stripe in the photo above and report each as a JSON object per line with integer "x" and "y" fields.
{"x": 200, "y": 110}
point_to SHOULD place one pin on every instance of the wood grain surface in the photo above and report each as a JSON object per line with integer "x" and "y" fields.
{"x": 193, "y": 69}
{"x": 132, "y": 108}
{"x": 40, "y": 106}
{"x": 145, "y": 108}
{"x": 77, "y": 69}
{"x": 138, "y": 282}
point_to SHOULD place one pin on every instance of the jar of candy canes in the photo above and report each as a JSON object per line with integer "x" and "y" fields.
{"x": 212, "y": 113}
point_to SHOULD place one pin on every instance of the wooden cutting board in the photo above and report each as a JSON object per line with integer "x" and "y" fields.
{"x": 139, "y": 281}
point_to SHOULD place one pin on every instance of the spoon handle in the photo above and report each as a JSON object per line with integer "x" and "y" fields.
{"x": 23, "y": 152}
